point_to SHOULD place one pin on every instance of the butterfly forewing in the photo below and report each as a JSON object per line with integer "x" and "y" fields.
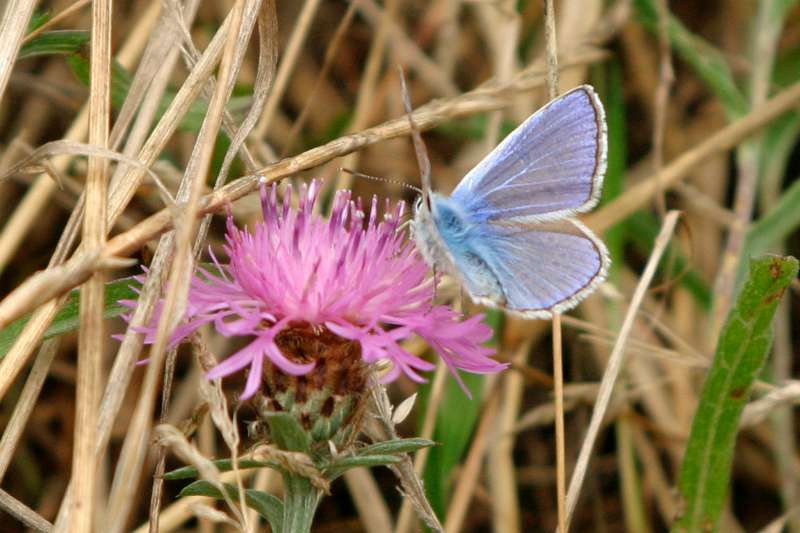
{"x": 551, "y": 166}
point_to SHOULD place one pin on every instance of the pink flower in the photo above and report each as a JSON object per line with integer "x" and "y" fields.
{"x": 363, "y": 282}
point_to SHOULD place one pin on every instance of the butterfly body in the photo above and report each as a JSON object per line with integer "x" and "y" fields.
{"x": 506, "y": 232}
{"x": 456, "y": 244}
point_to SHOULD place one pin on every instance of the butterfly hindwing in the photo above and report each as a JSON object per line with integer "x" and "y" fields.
{"x": 551, "y": 166}
{"x": 532, "y": 269}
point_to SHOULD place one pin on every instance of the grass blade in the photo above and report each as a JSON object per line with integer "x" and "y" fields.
{"x": 743, "y": 347}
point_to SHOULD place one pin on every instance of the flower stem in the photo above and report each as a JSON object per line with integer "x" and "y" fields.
{"x": 300, "y": 503}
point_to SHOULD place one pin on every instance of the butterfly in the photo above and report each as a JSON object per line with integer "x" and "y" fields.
{"x": 507, "y": 231}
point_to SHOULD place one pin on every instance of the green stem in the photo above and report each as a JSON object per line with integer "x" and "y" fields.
{"x": 299, "y": 504}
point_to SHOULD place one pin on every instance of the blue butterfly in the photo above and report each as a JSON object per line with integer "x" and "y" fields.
{"x": 507, "y": 231}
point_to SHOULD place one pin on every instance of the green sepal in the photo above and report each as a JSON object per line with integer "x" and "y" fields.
{"x": 287, "y": 432}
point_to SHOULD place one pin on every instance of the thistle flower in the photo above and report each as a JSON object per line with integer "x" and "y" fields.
{"x": 361, "y": 282}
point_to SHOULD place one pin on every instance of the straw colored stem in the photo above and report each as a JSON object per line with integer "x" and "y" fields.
{"x": 666, "y": 77}
{"x": 369, "y": 502}
{"x": 28, "y": 210}
{"x": 24, "y": 406}
{"x": 365, "y": 99}
{"x": 91, "y": 336}
{"x": 409, "y": 52}
{"x": 558, "y": 393}
{"x": 552, "y": 49}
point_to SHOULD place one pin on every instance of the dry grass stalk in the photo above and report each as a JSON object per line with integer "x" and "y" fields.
{"x": 615, "y": 364}
{"x": 372, "y": 508}
{"x": 23, "y": 513}
{"x": 92, "y": 335}
{"x": 666, "y": 77}
{"x": 365, "y": 101}
{"x": 25, "y": 403}
{"x": 408, "y": 52}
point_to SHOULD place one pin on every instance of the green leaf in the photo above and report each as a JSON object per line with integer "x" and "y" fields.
{"x": 55, "y": 42}
{"x": 705, "y": 59}
{"x": 223, "y": 465}
{"x": 267, "y": 505}
{"x": 288, "y": 433}
{"x": 743, "y": 348}
{"x": 396, "y": 446}
{"x": 68, "y": 318}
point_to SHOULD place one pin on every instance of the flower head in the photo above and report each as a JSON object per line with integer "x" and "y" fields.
{"x": 355, "y": 276}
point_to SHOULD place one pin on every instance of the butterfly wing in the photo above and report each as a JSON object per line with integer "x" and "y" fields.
{"x": 551, "y": 166}
{"x": 532, "y": 270}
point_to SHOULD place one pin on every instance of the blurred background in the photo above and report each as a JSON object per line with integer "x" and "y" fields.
{"x": 671, "y": 74}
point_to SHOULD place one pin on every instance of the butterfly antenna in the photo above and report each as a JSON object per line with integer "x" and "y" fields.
{"x": 385, "y": 180}
{"x": 419, "y": 146}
